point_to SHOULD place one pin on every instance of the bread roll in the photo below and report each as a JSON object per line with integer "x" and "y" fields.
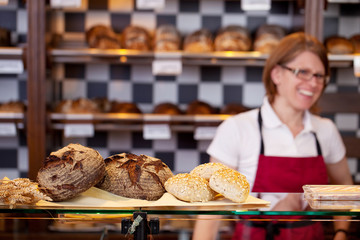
{"x": 339, "y": 45}
{"x": 199, "y": 107}
{"x": 231, "y": 184}
{"x": 167, "y": 38}
{"x": 70, "y": 171}
{"x": 267, "y": 37}
{"x": 5, "y": 38}
{"x": 189, "y": 188}
{"x": 132, "y": 176}
{"x": 355, "y": 40}
{"x": 233, "y": 108}
{"x": 167, "y": 108}
{"x": 78, "y": 106}
{"x": 206, "y": 170}
{"x": 233, "y": 38}
{"x": 124, "y": 107}
{"x": 199, "y": 42}
{"x": 103, "y": 37}
{"x": 137, "y": 38}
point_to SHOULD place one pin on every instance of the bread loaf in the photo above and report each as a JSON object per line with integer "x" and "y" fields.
{"x": 12, "y": 107}
{"x": 267, "y": 37}
{"x": 80, "y": 106}
{"x": 137, "y": 38}
{"x": 199, "y": 107}
{"x": 103, "y": 37}
{"x": 231, "y": 184}
{"x": 206, "y": 170}
{"x": 233, "y": 108}
{"x": 190, "y": 188}
{"x": 167, "y": 38}
{"x": 355, "y": 40}
{"x": 124, "y": 107}
{"x": 167, "y": 108}
{"x": 339, "y": 45}
{"x": 70, "y": 171}
{"x": 233, "y": 38}
{"x": 199, "y": 42}
{"x": 132, "y": 176}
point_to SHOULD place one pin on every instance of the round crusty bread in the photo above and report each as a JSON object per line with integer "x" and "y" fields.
{"x": 231, "y": 184}
{"x": 207, "y": 169}
{"x": 70, "y": 171}
{"x": 132, "y": 176}
{"x": 190, "y": 188}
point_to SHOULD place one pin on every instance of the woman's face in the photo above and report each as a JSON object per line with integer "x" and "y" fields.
{"x": 301, "y": 89}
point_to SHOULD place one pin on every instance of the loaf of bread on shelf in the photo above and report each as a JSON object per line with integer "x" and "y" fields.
{"x": 77, "y": 106}
{"x": 231, "y": 184}
{"x": 355, "y": 40}
{"x": 206, "y": 170}
{"x": 199, "y": 107}
{"x": 132, "y": 176}
{"x": 5, "y": 38}
{"x": 12, "y": 107}
{"x": 233, "y": 108}
{"x": 200, "y": 41}
{"x": 103, "y": 37}
{"x": 124, "y": 107}
{"x": 190, "y": 188}
{"x": 267, "y": 37}
{"x": 233, "y": 38}
{"x": 339, "y": 45}
{"x": 70, "y": 171}
{"x": 104, "y": 105}
{"x": 167, "y": 108}
{"x": 136, "y": 38}
{"x": 167, "y": 38}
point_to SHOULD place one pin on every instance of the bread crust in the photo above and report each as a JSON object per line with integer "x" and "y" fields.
{"x": 206, "y": 170}
{"x": 190, "y": 188}
{"x": 231, "y": 184}
{"x": 70, "y": 171}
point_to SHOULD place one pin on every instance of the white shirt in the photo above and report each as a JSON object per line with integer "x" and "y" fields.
{"x": 237, "y": 140}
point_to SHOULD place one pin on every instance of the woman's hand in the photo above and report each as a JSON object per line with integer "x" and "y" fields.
{"x": 292, "y": 202}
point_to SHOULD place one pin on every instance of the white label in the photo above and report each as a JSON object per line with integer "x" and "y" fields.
{"x": 255, "y": 5}
{"x": 79, "y": 130}
{"x": 11, "y": 66}
{"x": 65, "y": 3}
{"x": 357, "y": 66}
{"x": 166, "y": 67}
{"x": 7, "y": 129}
{"x": 4, "y": 2}
{"x": 156, "y": 131}
{"x": 150, "y": 4}
{"x": 78, "y": 116}
{"x": 204, "y": 133}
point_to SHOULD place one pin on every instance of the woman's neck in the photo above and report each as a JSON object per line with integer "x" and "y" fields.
{"x": 289, "y": 116}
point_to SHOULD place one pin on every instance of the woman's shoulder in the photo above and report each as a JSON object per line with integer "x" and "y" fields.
{"x": 323, "y": 124}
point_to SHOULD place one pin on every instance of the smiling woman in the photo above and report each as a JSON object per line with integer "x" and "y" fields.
{"x": 282, "y": 146}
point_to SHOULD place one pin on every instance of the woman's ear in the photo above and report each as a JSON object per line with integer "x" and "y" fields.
{"x": 276, "y": 75}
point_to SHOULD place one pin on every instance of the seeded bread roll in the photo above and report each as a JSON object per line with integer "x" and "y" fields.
{"x": 132, "y": 176}
{"x": 207, "y": 169}
{"x": 70, "y": 171}
{"x": 189, "y": 188}
{"x": 231, "y": 184}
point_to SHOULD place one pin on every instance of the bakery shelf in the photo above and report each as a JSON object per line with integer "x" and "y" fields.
{"x": 125, "y": 121}
{"x": 11, "y": 52}
{"x": 16, "y": 118}
{"x": 126, "y": 56}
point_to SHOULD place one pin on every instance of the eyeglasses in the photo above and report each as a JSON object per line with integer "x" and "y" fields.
{"x": 307, "y": 75}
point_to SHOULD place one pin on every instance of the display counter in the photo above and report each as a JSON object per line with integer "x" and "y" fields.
{"x": 145, "y": 220}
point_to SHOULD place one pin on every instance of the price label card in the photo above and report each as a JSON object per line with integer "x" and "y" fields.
{"x": 255, "y": 5}
{"x": 79, "y": 130}
{"x": 156, "y": 131}
{"x": 65, "y": 3}
{"x": 357, "y": 65}
{"x": 4, "y": 2}
{"x": 204, "y": 133}
{"x": 166, "y": 67}
{"x": 79, "y": 116}
{"x": 7, "y": 129}
{"x": 150, "y": 4}
{"x": 11, "y": 66}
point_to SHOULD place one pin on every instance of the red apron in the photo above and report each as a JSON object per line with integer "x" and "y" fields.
{"x": 284, "y": 174}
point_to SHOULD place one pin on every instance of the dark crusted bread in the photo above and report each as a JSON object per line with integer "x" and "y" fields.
{"x": 167, "y": 108}
{"x": 70, "y": 171}
{"x": 103, "y": 37}
{"x": 199, "y": 107}
{"x": 233, "y": 38}
{"x": 133, "y": 176}
{"x": 137, "y": 38}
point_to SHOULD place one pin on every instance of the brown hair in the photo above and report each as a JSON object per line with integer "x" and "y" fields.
{"x": 288, "y": 49}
